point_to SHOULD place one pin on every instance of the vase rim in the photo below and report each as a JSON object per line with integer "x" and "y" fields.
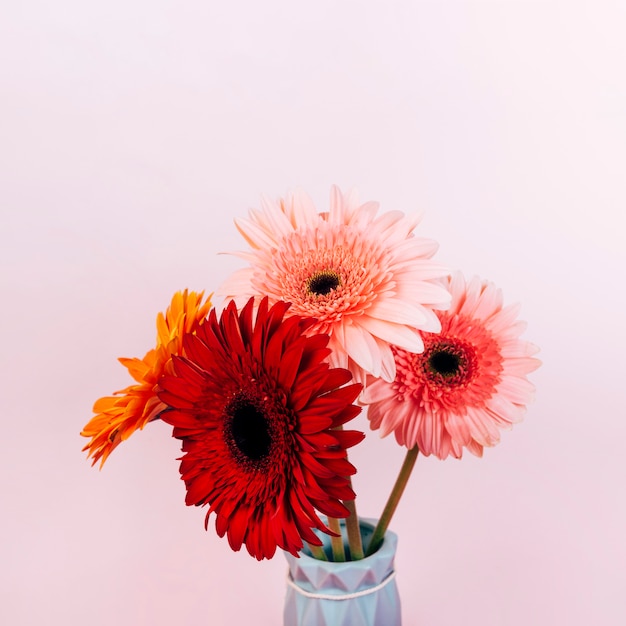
{"x": 386, "y": 550}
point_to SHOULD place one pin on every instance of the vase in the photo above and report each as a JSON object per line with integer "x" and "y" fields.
{"x": 351, "y": 593}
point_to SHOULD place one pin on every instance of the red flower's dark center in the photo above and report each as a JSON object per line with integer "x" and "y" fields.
{"x": 247, "y": 429}
{"x": 323, "y": 282}
{"x": 450, "y": 362}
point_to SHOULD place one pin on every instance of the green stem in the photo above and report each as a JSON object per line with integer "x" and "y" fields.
{"x": 336, "y": 543}
{"x": 392, "y": 502}
{"x": 317, "y": 552}
{"x": 352, "y": 523}
{"x": 354, "y": 531}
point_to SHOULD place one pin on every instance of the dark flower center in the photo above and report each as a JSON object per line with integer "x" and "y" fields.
{"x": 450, "y": 362}
{"x": 444, "y": 362}
{"x": 248, "y": 427}
{"x": 323, "y": 282}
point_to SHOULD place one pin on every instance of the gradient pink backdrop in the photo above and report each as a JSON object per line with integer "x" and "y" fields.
{"x": 132, "y": 133}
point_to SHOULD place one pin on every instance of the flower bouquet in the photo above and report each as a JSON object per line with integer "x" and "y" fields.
{"x": 335, "y": 311}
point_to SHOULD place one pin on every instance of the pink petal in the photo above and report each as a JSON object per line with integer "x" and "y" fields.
{"x": 399, "y": 312}
{"x": 254, "y": 235}
{"x": 361, "y": 347}
{"x": 395, "y": 334}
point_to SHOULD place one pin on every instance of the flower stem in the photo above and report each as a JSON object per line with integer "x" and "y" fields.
{"x": 354, "y": 532}
{"x": 392, "y": 502}
{"x": 352, "y": 523}
{"x": 336, "y": 543}
{"x": 317, "y": 552}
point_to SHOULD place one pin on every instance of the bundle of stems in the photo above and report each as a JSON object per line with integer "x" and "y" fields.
{"x": 355, "y": 542}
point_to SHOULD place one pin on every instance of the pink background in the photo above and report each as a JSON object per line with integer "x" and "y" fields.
{"x": 132, "y": 133}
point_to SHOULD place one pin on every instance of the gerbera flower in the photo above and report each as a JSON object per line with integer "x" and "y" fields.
{"x": 366, "y": 280}
{"x": 257, "y": 408}
{"x": 120, "y": 415}
{"x": 469, "y": 382}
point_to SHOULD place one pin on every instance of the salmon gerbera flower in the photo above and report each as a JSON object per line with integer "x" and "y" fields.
{"x": 119, "y": 416}
{"x": 368, "y": 281}
{"x": 469, "y": 382}
{"x": 259, "y": 412}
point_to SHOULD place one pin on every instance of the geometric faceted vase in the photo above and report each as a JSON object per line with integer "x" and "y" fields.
{"x": 352, "y": 593}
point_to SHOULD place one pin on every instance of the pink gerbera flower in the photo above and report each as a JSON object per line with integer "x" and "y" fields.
{"x": 366, "y": 280}
{"x": 469, "y": 381}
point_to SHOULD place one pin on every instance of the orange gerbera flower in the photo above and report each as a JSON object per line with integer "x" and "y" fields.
{"x": 119, "y": 416}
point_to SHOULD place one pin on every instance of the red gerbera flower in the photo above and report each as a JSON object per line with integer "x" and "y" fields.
{"x": 257, "y": 409}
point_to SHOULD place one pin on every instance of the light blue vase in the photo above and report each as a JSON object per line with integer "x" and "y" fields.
{"x": 354, "y": 593}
